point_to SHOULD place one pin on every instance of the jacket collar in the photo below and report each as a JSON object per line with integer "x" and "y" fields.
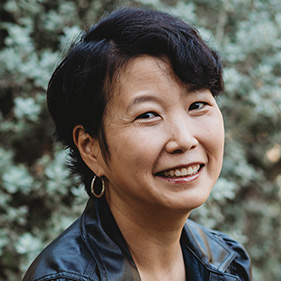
{"x": 114, "y": 261}
{"x": 106, "y": 243}
{"x": 209, "y": 250}
{"x": 207, "y": 246}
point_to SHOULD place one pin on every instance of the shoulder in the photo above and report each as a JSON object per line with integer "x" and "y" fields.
{"x": 67, "y": 258}
{"x": 218, "y": 251}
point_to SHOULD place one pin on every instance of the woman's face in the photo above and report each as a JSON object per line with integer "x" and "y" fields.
{"x": 165, "y": 142}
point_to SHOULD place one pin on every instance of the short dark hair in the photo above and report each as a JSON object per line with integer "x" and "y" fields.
{"x": 78, "y": 90}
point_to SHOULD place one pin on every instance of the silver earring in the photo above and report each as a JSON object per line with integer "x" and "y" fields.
{"x": 93, "y": 183}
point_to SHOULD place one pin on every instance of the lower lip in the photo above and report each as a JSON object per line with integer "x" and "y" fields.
{"x": 184, "y": 179}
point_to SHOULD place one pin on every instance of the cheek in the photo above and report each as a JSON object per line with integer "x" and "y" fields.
{"x": 213, "y": 135}
{"x": 131, "y": 148}
{"x": 220, "y": 131}
{"x": 218, "y": 141}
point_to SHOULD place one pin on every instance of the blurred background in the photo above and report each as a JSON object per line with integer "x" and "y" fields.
{"x": 38, "y": 198}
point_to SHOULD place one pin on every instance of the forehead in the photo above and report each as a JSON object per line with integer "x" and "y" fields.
{"x": 145, "y": 69}
{"x": 143, "y": 73}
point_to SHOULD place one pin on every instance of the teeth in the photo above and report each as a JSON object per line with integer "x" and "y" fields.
{"x": 191, "y": 170}
{"x": 178, "y": 173}
{"x": 172, "y": 173}
{"x": 182, "y": 172}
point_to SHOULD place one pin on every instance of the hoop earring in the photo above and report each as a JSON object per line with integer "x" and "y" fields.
{"x": 102, "y": 188}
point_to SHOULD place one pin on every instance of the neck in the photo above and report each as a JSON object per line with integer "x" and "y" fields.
{"x": 153, "y": 238}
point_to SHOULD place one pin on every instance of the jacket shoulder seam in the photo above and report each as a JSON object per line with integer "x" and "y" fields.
{"x": 68, "y": 275}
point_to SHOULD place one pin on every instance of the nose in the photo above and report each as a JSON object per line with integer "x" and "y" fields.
{"x": 182, "y": 136}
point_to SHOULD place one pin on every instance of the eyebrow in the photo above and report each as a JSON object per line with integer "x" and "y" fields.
{"x": 143, "y": 99}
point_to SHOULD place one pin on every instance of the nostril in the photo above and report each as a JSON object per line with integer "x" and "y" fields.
{"x": 177, "y": 147}
{"x": 177, "y": 151}
{"x": 193, "y": 146}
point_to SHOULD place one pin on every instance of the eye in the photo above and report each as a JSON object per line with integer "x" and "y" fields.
{"x": 197, "y": 105}
{"x": 147, "y": 115}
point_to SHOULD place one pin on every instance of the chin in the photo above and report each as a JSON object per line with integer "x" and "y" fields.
{"x": 193, "y": 202}
{"x": 186, "y": 205}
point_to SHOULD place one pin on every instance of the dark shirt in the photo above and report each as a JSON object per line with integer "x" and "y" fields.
{"x": 93, "y": 248}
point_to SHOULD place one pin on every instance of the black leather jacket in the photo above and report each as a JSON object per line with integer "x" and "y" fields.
{"x": 93, "y": 248}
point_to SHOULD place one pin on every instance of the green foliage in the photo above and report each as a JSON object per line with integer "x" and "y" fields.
{"x": 38, "y": 198}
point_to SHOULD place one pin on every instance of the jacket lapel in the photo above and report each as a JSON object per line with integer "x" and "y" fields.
{"x": 106, "y": 243}
{"x": 224, "y": 277}
{"x": 205, "y": 256}
{"x": 208, "y": 253}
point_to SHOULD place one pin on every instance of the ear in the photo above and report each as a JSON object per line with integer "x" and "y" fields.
{"x": 89, "y": 149}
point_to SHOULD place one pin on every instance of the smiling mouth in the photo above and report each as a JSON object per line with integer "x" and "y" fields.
{"x": 181, "y": 172}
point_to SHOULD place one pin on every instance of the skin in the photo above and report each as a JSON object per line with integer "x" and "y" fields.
{"x": 154, "y": 123}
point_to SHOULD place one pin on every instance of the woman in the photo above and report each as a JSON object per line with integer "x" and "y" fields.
{"x": 134, "y": 100}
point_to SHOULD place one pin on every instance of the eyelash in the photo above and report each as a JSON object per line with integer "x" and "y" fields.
{"x": 191, "y": 107}
{"x": 142, "y": 116}
{"x": 197, "y": 103}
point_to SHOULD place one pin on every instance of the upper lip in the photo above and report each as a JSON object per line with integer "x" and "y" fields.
{"x": 181, "y": 166}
